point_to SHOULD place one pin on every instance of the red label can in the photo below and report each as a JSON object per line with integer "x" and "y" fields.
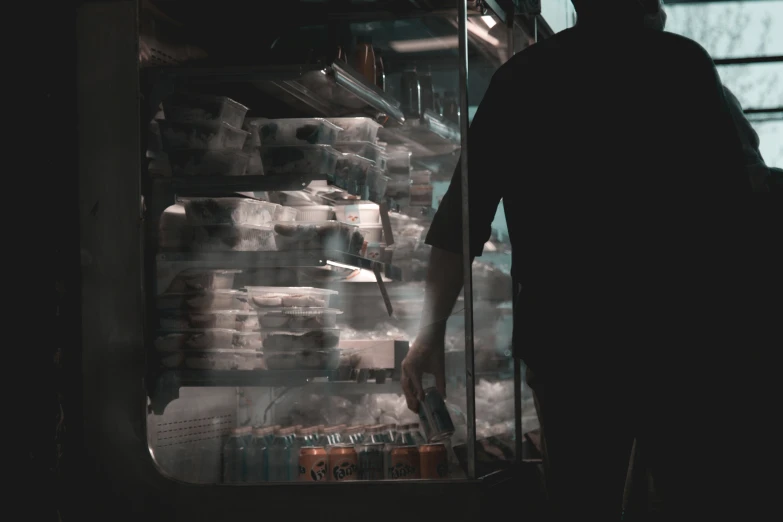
{"x": 342, "y": 463}
{"x": 403, "y": 463}
{"x": 433, "y": 461}
{"x": 312, "y": 464}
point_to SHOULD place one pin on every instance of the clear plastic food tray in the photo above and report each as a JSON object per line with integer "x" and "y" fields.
{"x": 241, "y": 320}
{"x": 204, "y": 300}
{"x": 233, "y": 238}
{"x": 315, "y": 213}
{"x": 206, "y": 339}
{"x": 297, "y": 318}
{"x": 286, "y": 213}
{"x": 357, "y": 129}
{"x": 195, "y": 279}
{"x": 398, "y": 159}
{"x": 227, "y": 211}
{"x": 350, "y": 173}
{"x": 203, "y": 107}
{"x": 223, "y": 359}
{"x": 377, "y": 184}
{"x": 201, "y": 135}
{"x": 365, "y": 149}
{"x": 317, "y": 235}
{"x": 201, "y": 162}
{"x": 302, "y": 339}
{"x": 303, "y": 360}
{"x": 297, "y": 131}
{"x": 318, "y": 160}
{"x": 288, "y": 296}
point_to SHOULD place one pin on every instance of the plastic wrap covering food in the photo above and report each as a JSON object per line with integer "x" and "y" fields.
{"x": 382, "y": 332}
{"x": 323, "y": 235}
{"x": 234, "y": 238}
{"x": 228, "y": 211}
{"x": 204, "y": 300}
{"x": 357, "y": 129}
{"x": 195, "y": 279}
{"x": 274, "y": 297}
{"x": 296, "y": 131}
{"x": 191, "y": 107}
{"x": 201, "y": 162}
{"x": 318, "y": 160}
{"x": 207, "y": 339}
{"x": 201, "y": 135}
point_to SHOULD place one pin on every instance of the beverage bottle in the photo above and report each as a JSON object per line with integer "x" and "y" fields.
{"x": 297, "y": 441}
{"x": 427, "y": 91}
{"x": 234, "y": 450}
{"x": 257, "y": 456}
{"x": 451, "y": 109}
{"x": 410, "y": 93}
{"x": 364, "y": 58}
{"x": 416, "y": 435}
{"x": 279, "y": 456}
{"x": 404, "y": 436}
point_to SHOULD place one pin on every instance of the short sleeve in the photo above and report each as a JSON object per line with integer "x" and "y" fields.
{"x": 489, "y": 144}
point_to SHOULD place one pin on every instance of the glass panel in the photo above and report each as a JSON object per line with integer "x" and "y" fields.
{"x": 731, "y": 29}
{"x": 284, "y": 292}
{"x": 771, "y": 141}
{"x": 756, "y": 86}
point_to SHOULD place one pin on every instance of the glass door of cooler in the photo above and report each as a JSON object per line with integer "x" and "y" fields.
{"x": 290, "y": 179}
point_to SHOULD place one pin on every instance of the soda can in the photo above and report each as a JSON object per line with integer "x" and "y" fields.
{"x": 435, "y": 419}
{"x": 312, "y": 464}
{"x": 433, "y": 461}
{"x": 403, "y": 463}
{"x": 371, "y": 461}
{"x": 343, "y": 463}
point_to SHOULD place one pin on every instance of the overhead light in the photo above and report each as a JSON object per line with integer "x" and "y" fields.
{"x": 482, "y": 33}
{"x": 491, "y": 22}
{"x": 425, "y": 44}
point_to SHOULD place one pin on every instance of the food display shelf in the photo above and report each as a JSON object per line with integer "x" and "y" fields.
{"x": 432, "y": 136}
{"x": 212, "y": 184}
{"x": 291, "y": 259}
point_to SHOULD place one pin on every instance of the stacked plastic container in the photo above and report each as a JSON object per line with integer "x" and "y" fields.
{"x": 298, "y": 328}
{"x": 202, "y": 135}
{"x": 361, "y": 167}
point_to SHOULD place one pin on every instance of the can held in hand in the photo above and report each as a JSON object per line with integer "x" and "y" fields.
{"x": 343, "y": 463}
{"x": 435, "y": 419}
{"x": 403, "y": 463}
{"x": 433, "y": 461}
{"x": 313, "y": 464}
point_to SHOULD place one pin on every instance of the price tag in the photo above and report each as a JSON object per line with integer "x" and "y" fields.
{"x": 528, "y": 7}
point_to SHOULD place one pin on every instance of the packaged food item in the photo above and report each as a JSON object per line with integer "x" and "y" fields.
{"x": 398, "y": 159}
{"x": 192, "y": 107}
{"x": 351, "y": 172}
{"x": 173, "y": 359}
{"x": 207, "y": 339}
{"x": 318, "y": 160}
{"x": 289, "y": 296}
{"x": 203, "y": 162}
{"x": 194, "y": 279}
{"x": 297, "y": 318}
{"x": 233, "y": 238}
{"x": 286, "y": 213}
{"x": 365, "y": 149}
{"x": 204, "y": 300}
{"x": 372, "y": 232}
{"x": 377, "y": 183}
{"x": 315, "y": 213}
{"x": 323, "y": 235}
{"x": 304, "y": 339}
{"x": 377, "y": 252}
{"x": 297, "y": 131}
{"x": 227, "y": 211}
{"x": 357, "y": 129}
{"x": 223, "y": 359}
{"x": 184, "y": 320}
{"x": 302, "y": 360}
{"x": 358, "y": 213}
{"x": 201, "y": 135}
{"x": 421, "y": 195}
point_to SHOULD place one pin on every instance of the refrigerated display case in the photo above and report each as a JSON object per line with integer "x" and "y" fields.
{"x": 253, "y": 204}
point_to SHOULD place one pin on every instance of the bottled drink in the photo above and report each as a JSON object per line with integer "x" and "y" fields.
{"x": 353, "y": 435}
{"x": 404, "y": 436}
{"x": 234, "y": 450}
{"x": 427, "y": 92}
{"x": 332, "y": 435}
{"x": 297, "y": 442}
{"x": 364, "y": 58}
{"x": 257, "y": 456}
{"x": 451, "y": 109}
{"x": 410, "y": 93}
{"x": 279, "y": 456}
{"x": 416, "y": 435}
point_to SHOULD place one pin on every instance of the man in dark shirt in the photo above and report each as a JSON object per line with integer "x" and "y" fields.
{"x": 617, "y": 158}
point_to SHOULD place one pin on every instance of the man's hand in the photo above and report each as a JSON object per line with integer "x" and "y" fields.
{"x": 427, "y": 355}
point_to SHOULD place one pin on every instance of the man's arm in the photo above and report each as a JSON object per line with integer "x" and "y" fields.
{"x": 755, "y": 167}
{"x": 444, "y": 284}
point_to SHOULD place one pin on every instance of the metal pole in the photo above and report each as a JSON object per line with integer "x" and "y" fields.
{"x": 470, "y": 393}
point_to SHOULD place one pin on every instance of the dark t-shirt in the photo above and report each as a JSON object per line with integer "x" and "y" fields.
{"x": 611, "y": 152}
